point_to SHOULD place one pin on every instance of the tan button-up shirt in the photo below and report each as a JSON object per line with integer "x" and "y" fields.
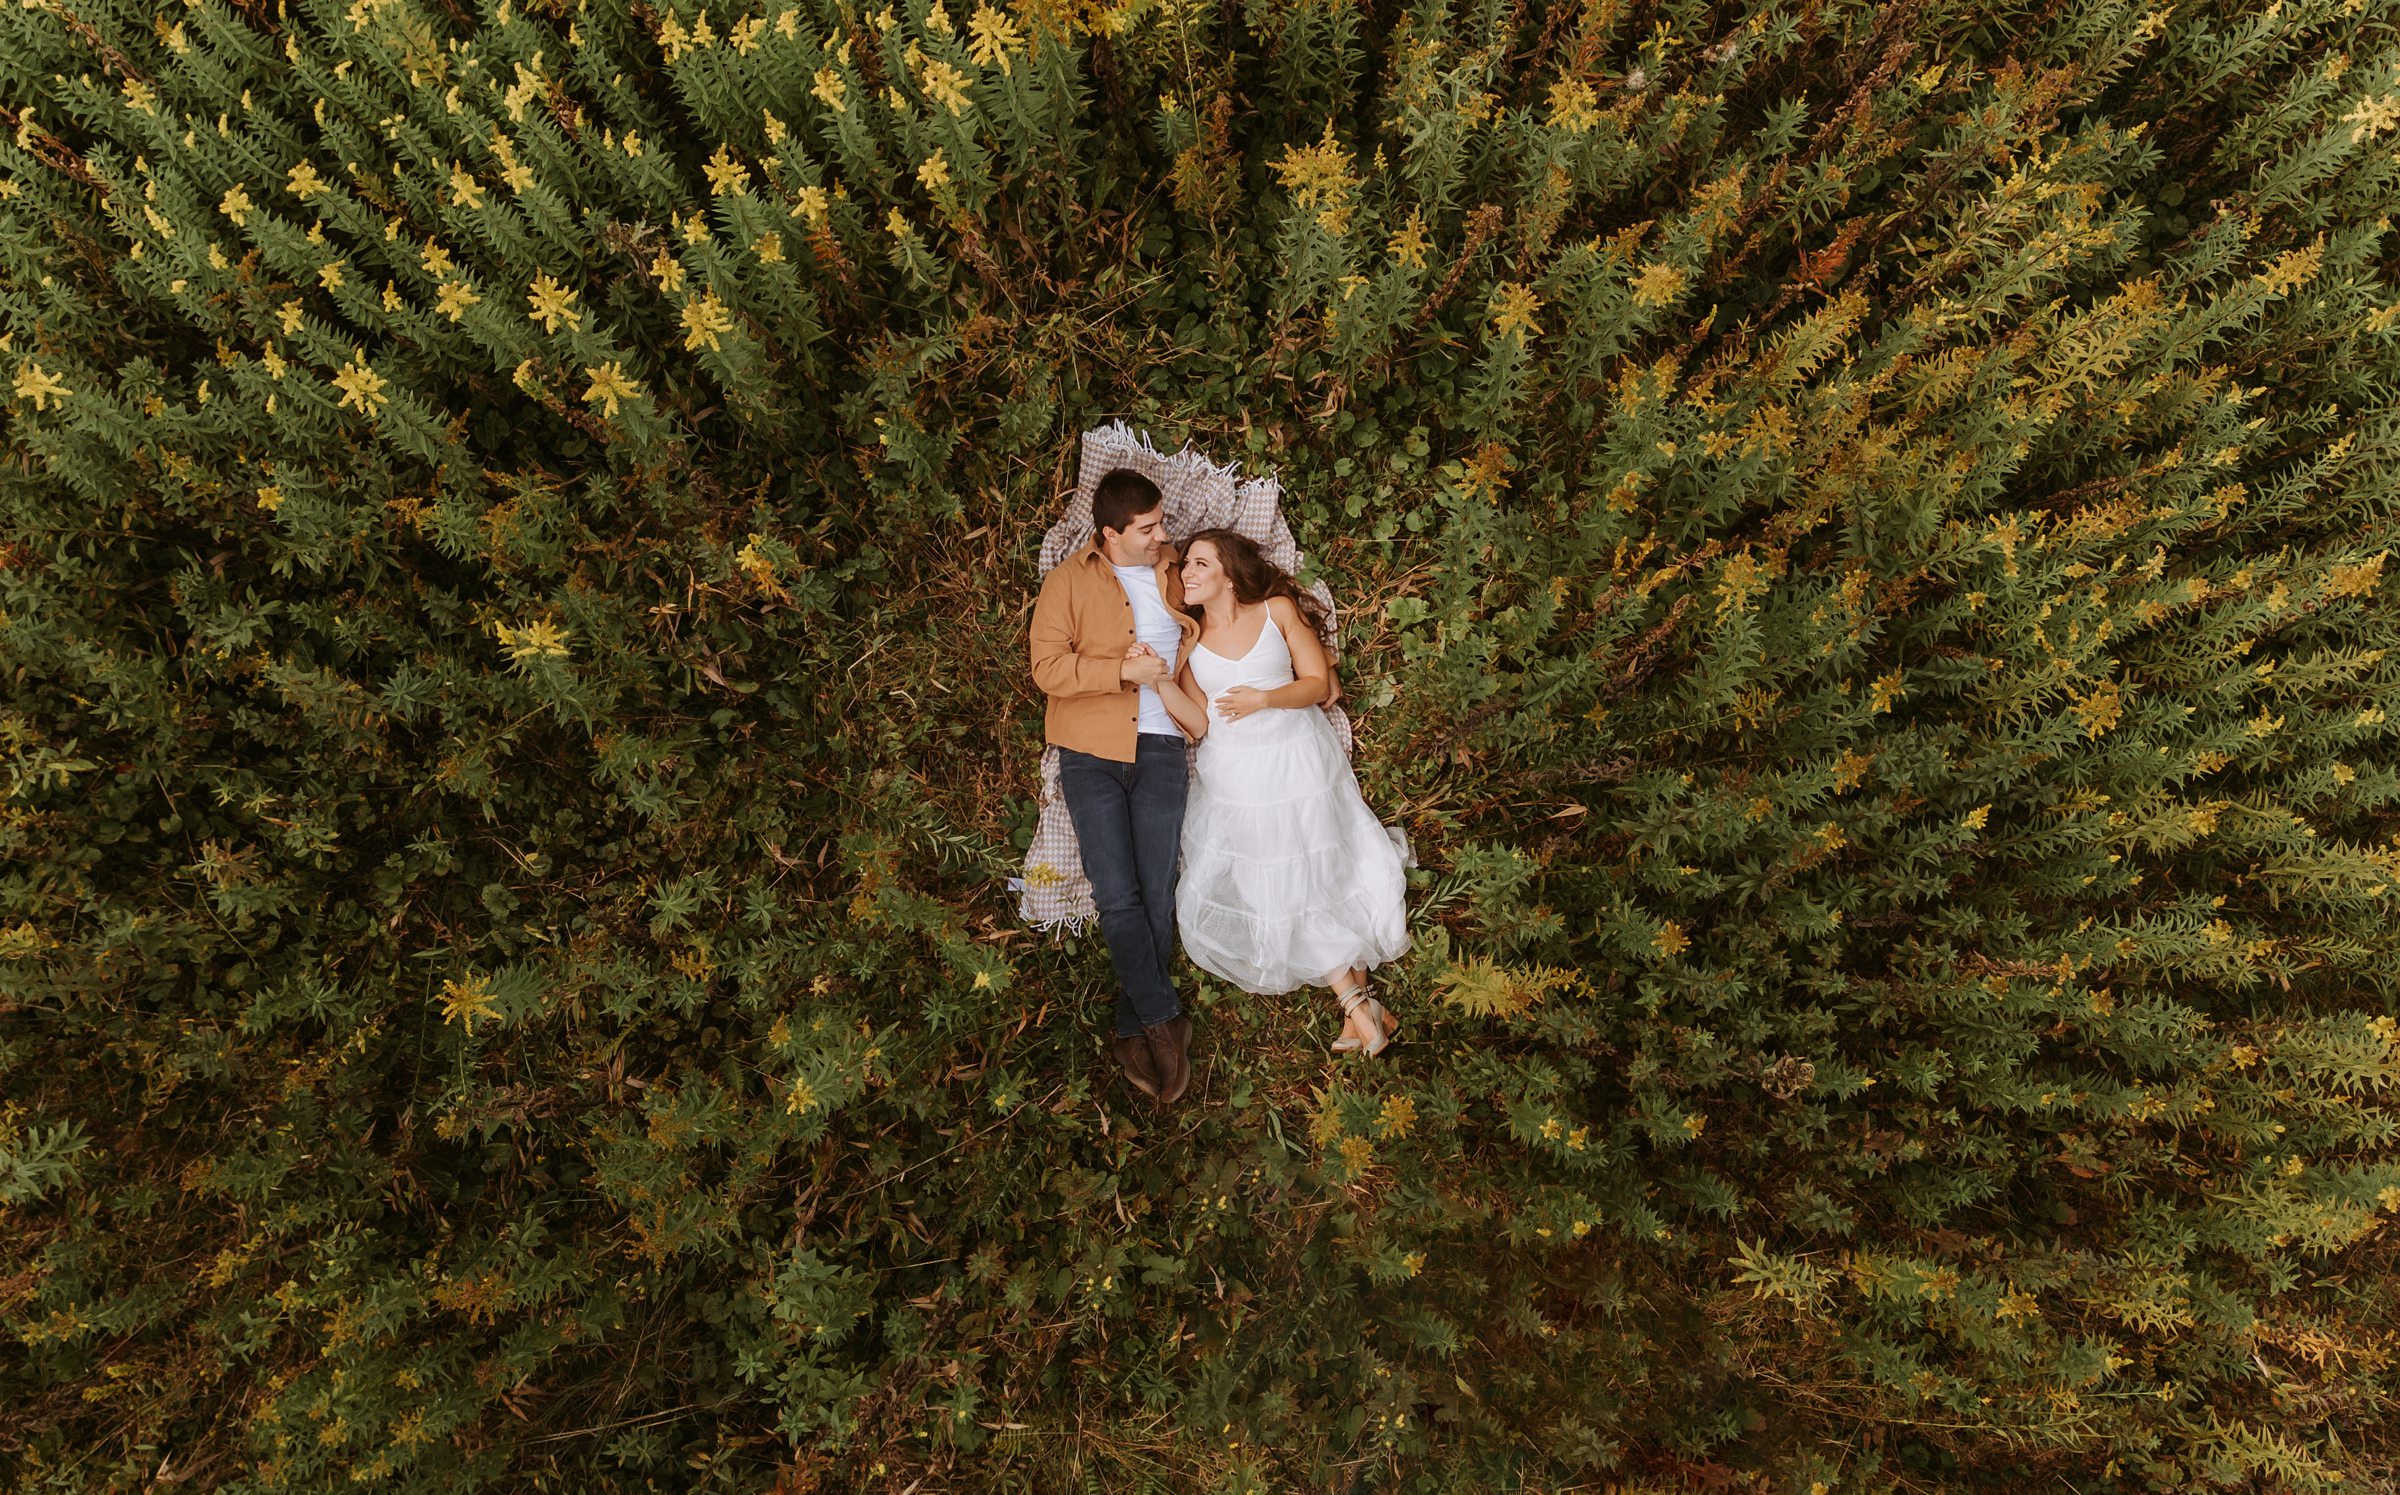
{"x": 1082, "y": 625}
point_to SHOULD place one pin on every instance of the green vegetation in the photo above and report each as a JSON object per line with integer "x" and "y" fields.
{"x": 1863, "y": 532}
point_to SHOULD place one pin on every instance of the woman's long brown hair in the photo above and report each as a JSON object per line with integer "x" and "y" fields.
{"x": 1255, "y": 578}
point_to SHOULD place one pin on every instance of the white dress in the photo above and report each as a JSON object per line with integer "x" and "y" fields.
{"x": 1287, "y": 876}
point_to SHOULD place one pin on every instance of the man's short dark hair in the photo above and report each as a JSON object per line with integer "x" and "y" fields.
{"x": 1122, "y": 494}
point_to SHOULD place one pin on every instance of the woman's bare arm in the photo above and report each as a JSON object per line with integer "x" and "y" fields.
{"x": 1180, "y": 694}
{"x": 1310, "y": 672}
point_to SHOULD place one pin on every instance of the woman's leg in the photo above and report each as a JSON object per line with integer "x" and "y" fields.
{"x": 1357, "y": 1025}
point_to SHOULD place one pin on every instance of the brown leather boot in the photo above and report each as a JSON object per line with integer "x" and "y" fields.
{"x": 1133, "y": 1057}
{"x": 1171, "y": 1056}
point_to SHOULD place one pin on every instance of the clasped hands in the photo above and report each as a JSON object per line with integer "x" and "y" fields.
{"x": 1144, "y": 665}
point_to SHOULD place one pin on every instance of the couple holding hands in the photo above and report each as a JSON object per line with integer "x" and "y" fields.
{"x": 1256, "y": 846}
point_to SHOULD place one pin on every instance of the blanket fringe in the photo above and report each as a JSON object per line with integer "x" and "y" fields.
{"x": 1117, "y": 435}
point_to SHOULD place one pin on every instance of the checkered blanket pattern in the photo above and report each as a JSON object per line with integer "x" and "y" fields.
{"x": 1053, "y": 893}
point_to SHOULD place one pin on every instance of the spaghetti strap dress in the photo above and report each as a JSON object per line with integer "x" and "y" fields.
{"x": 1287, "y": 876}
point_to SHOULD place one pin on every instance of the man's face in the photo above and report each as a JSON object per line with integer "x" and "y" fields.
{"x": 1137, "y": 543}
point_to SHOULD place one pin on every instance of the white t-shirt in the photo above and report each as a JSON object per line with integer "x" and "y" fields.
{"x": 1155, "y": 626}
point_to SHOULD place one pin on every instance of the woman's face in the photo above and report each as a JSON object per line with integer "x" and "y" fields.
{"x": 1203, "y": 574}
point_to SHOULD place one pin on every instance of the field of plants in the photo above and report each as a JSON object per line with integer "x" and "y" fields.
{"x": 1863, "y": 534}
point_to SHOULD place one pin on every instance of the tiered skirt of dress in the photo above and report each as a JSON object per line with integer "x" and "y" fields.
{"x": 1287, "y": 876}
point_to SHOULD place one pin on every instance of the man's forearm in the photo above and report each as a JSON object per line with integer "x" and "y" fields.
{"x": 1058, "y": 667}
{"x": 1064, "y": 672}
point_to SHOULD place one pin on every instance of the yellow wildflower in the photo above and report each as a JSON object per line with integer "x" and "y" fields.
{"x": 704, "y": 321}
{"x": 830, "y": 88}
{"x": 435, "y": 259}
{"x": 465, "y": 191}
{"x": 550, "y": 302}
{"x": 2101, "y": 709}
{"x": 1573, "y": 105}
{"x": 725, "y": 174}
{"x": 2372, "y": 117}
{"x": 813, "y": 205}
{"x": 672, "y": 38}
{"x": 1486, "y": 472}
{"x": 755, "y": 563}
{"x": 453, "y": 299}
{"x": 235, "y": 204}
{"x": 303, "y": 182}
{"x": 1671, "y": 939}
{"x": 292, "y": 316}
{"x": 1513, "y": 306}
{"x": 608, "y": 386}
{"x": 38, "y": 385}
{"x": 1657, "y": 285}
{"x": 1408, "y": 246}
{"x": 329, "y": 275}
{"x": 994, "y": 35}
{"x": 945, "y": 85}
{"x": 2358, "y": 579}
{"x": 935, "y": 171}
{"x": 1319, "y": 179}
{"x": 540, "y": 639}
{"x": 361, "y": 387}
{"x": 465, "y": 1001}
{"x": 667, "y": 271}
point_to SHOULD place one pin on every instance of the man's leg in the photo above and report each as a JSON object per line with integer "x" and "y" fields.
{"x": 1100, "y": 803}
{"x": 1160, "y": 779}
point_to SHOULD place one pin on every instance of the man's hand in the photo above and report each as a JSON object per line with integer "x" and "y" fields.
{"x": 1142, "y": 666}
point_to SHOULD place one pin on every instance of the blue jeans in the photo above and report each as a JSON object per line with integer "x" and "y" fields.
{"x": 1129, "y": 826}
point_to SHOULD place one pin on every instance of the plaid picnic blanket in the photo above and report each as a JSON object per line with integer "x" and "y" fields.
{"x": 1053, "y": 893}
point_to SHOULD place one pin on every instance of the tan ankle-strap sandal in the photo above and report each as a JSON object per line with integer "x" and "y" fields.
{"x": 1385, "y": 1024}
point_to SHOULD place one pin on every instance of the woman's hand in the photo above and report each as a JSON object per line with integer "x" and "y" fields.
{"x": 1142, "y": 666}
{"x": 1240, "y": 701}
